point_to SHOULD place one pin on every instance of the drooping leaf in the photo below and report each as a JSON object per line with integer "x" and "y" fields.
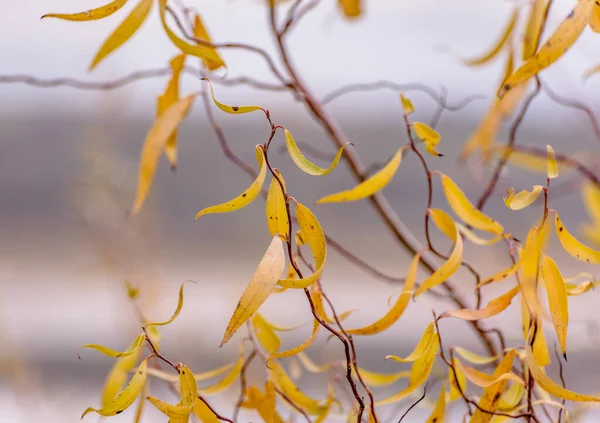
{"x": 559, "y": 42}
{"x": 265, "y": 334}
{"x": 351, "y": 8}
{"x": 232, "y": 110}
{"x": 493, "y": 308}
{"x": 464, "y": 209}
{"x": 287, "y": 386}
{"x": 313, "y": 234}
{"x": 177, "y": 310}
{"x": 428, "y": 337}
{"x": 399, "y": 306}
{"x": 118, "y": 374}
{"x": 204, "y": 414}
{"x": 552, "y": 164}
{"x": 528, "y": 271}
{"x": 127, "y": 397}
{"x": 90, "y": 15}
{"x": 229, "y": 379}
{"x": 557, "y": 300}
{"x": 540, "y": 346}
{"x": 476, "y": 239}
{"x": 276, "y": 209}
{"x": 201, "y": 33}
{"x": 471, "y": 357}
{"x": 523, "y": 198}
{"x": 454, "y": 393}
{"x": 533, "y": 31}
{"x": 123, "y": 32}
{"x": 263, "y": 281}
{"x": 155, "y": 142}
{"x": 484, "y": 380}
{"x": 500, "y": 276}
{"x": 376, "y": 379}
{"x": 407, "y": 105}
{"x": 497, "y": 46}
{"x": 450, "y": 266}
{"x": 188, "y": 391}
{"x": 209, "y": 374}
{"x": 437, "y": 415}
{"x": 573, "y": 246}
{"x": 429, "y": 136}
{"x": 264, "y": 403}
{"x": 135, "y": 346}
{"x": 369, "y": 186}
{"x": 247, "y": 197}
{"x": 299, "y": 348}
{"x": 303, "y": 163}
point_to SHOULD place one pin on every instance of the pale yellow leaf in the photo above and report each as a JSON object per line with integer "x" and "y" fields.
{"x": 276, "y": 209}
{"x": 90, "y": 15}
{"x": 557, "y": 300}
{"x": 303, "y": 163}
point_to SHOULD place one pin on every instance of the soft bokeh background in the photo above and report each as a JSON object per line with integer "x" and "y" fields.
{"x": 68, "y": 172}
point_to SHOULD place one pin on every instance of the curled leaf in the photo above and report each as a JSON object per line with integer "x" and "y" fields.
{"x": 135, "y": 346}
{"x": 287, "y": 386}
{"x": 209, "y": 374}
{"x": 229, "y": 379}
{"x": 471, "y": 357}
{"x": 188, "y": 391}
{"x": 500, "y": 276}
{"x": 247, "y": 197}
{"x": 259, "y": 288}
{"x": 124, "y": 31}
{"x": 474, "y": 238}
{"x": 265, "y": 334}
{"x": 429, "y": 136}
{"x": 369, "y": 186}
{"x": 483, "y": 380}
{"x": 117, "y": 376}
{"x": 303, "y": 163}
{"x": 494, "y": 307}
{"x": 523, "y": 198}
{"x": 175, "y": 314}
{"x": 90, "y": 15}
{"x": 422, "y": 347}
{"x": 233, "y": 110}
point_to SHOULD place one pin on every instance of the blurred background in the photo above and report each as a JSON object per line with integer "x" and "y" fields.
{"x": 68, "y": 171}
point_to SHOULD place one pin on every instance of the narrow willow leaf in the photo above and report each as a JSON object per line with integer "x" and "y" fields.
{"x": 265, "y": 403}
{"x": 491, "y": 395}
{"x": 177, "y": 310}
{"x": 559, "y": 42}
{"x": 407, "y": 105}
{"x": 529, "y": 270}
{"x": 209, "y": 374}
{"x": 201, "y": 33}
{"x": 127, "y": 397}
{"x": 594, "y": 18}
{"x": 450, "y": 266}
{"x": 591, "y": 200}
{"x": 429, "y": 136}
{"x": 287, "y": 386}
{"x": 493, "y": 308}
{"x": 350, "y": 8}
{"x": 123, "y": 32}
{"x": 573, "y": 246}
{"x": 188, "y": 391}
{"x": 497, "y": 46}
{"x": 369, "y": 186}
{"x": 299, "y": 348}
{"x": 471, "y": 357}
{"x": 229, "y": 379}
{"x": 511, "y": 398}
{"x": 454, "y": 393}
{"x": 474, "y": 238}
{"x": 232, "y": 110}
{"x": 166, "y": 100}
{"x": 483, "y": 380}
{"x": 265, "y": 334}
{"x": 399, "y": 306}
{"x": 90, "y": 15}
{"x": 422, "y": 347}
{"x": 552, "y": 163}
{"x": 580, "y": 288}
{"x": 117, "y": 376}
{"x": 464, "y": 209}
{"x": 540, "y": 346}
{"x": 375, "y": 379}
{"x": 247, "y": 197}
{"x": 310, "y": 365}
{"x": 276, "y": 209}
{"x": 418, "y": 374}
{"x": 437, "y": 415}
{"x": 523, "y": 198}
{"x": 263, "y": 281}
{"x": 549, "y": 385}
{"x": 205, "y": 414}
{"x": 135, "y": 346}
{"x": 303, "y": 163}
{"x": 557, "y": 300}
{"x": 154, "y": 145}
{"x": 202, "y": 52}
{"x": 313, "y": 234}
{"x": 485, "y": 134}
{"x": 535, "y": 24}
{"x": 500, "y": 276}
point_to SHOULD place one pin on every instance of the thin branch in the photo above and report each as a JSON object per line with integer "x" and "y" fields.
{"x": 243, "y": 383}
{"x": 414, "y": 404}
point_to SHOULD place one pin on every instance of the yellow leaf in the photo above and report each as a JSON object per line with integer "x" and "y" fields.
{"x": 154, "y": 145}
{"x": 407, "y": 105}
{"x": 591, "y": 200}
{"x": 512, "y": 397}
{"x": 201, "y": 33}
{"x": 260, "y": 286}
{"x": 229, "y": 379}
{"x": 175, "y": 314}
{"x": 375, "y": 379}
{"x": 476, "y": 239}
{"x": 500, "y": 276}
{"x": 580, "y": 288}
{"x": 418, "y": 374}
{"x": 276, "y": 209}
{"x": 494, "y": 307}
{"x": 549, "y": 385}
{"x": 485, "y": 134}
{"x": 264, "y": 404}
{"x": 594, "y": 18}
{"x": 540, "y": 347}
{"x": 483, "y": 380}
{"x": 303, "y": 163}
{"x": 209, "y": 374}
{"x": 313, "y": 234}
{"x": 351, "y": 8}
{"x": 523, "y": 198}
{"x": 168, "y": 98}
{"x": 299, "y": 348}
{"x": 454, "y": 393}
{"x": 464, "y": 209}
{"x": 135, "y": 346}
{"x": 141, "y": 405}
{"x": 552, "y": 164}
{"x": 204, "y": 414}
{"x": 437, "y": 415}
{"x": 123, "y": 32}
{"x": 471, "y": 357}
{"x": 428, "y": 337}
{"x": 429, "y": 136}
{"x": 287, "y": 386}
{"x": 573, "y": 246}
{"x": 535, "y": 24}
{"x": 369, "y": 186}
{"x": 491, "y": 395}
{"x": 127, "y": 396}
{"x": 557, "y": 300}
{"x": 310, "y": 365}
{"x": 90, "y": 15}
{"x": 117, "y": 376}
{"x": 451, "y": 265}
{"x": 247, "y": 196}
{"x": 559, "y": 42}
{"x": 232, "y": 110}
{"x": 497, "y": 46}
{"x": 188, "y": 391}
{"x": 529, "y": 269}
{"x": 397, "y": 309}
{"x": 202, "y": 52}
{"x": 265, "y": 334}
